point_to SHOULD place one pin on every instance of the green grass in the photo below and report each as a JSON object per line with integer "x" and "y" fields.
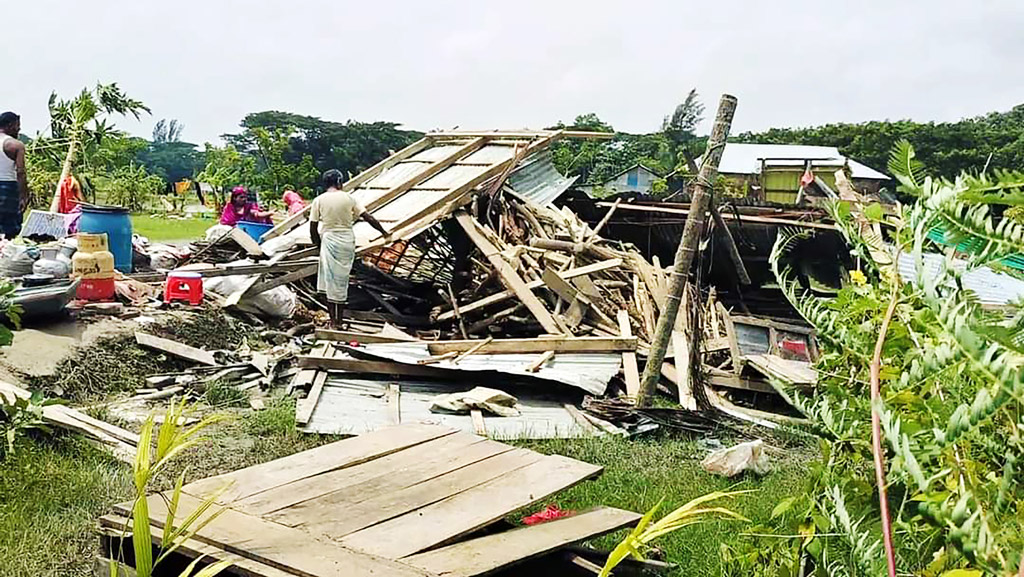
{"x": 51, "y": 493}
{"x": 52, "y": 490}
{"x": 637, "y": 473}
{"x": 158, "y": 228}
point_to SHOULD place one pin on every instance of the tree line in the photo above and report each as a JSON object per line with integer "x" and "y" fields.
{"x": 994, "y": 140}
{"x": 275, "y": 150}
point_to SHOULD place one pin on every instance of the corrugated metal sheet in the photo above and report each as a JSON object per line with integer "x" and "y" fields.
{"x": 538, "y": 180}
{"x": 589, "y": 372}
{"x": 991, "y": 287}
{"x": 743, "y": 158}
{"x": 354, "y": 406}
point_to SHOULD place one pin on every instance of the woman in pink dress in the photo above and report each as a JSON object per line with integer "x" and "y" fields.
{"x": 294, "y": 202}
{"x": 241, "y": 210}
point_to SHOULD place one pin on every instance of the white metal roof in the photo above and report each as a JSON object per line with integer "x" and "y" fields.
{"x": 743, "y": 158}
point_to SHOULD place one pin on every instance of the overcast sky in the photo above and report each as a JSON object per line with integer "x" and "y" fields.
{"x": 483, "y": 64}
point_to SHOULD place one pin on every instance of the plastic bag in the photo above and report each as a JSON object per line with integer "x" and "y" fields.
{"x": 734, "y": 460}
{"x": 52, "y": 267}
{"x": 216, "y": 231}
{"x": 17, "y": 260}
{"x": 277, "y": 303}
{"x": 490, "y": 400}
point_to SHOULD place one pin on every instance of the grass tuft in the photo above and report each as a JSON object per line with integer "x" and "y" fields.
{"x": 278, "y": 418}
{"x": 222, "y": 394}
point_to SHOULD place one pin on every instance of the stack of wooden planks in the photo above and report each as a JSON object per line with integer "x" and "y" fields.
{"x": 405, "y": 500}
{"x": 120, "y": 442}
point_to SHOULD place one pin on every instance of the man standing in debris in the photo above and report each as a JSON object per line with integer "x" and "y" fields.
{"x": 330, "y": 227}
{"x": 13, "y": 178}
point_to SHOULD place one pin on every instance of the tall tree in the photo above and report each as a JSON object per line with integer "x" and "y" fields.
{"x": 167, "y": 131}
{"x": 680, "y": 129}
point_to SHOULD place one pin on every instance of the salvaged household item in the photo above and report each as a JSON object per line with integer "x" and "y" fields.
{"x": 398, "y": 502}
{"x": 93, "y": 266}
{"x": 184, "y": 286}
{"x": 254, "y": 229}
{"x": 116, "y": 223}
{"x": 732, "y": 461}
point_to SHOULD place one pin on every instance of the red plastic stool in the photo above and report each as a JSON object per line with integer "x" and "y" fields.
{"x": 184, "y": 286}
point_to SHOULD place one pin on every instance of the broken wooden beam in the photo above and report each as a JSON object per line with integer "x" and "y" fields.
{"x": 731, "y": 247}
{"x": 630, "y": 372}
{"x": 176, "y": 349}
{"x": 508, "y": 275}
{"x": 558, "y": 344}
{"x": 365, "y": 338}
{"x": 532, "y": 285}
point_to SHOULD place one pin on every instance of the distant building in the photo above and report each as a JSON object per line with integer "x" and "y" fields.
{"x": 637, "y": 178}
{"x": 772, "y": 172}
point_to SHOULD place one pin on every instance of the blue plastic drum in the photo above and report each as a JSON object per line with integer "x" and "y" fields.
{"x": 117, "y": 223}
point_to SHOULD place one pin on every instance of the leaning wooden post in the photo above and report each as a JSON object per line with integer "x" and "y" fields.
{"x": 687, "y": 248}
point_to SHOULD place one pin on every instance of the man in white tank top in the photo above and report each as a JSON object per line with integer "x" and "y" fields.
{"x": 13, "y": 178}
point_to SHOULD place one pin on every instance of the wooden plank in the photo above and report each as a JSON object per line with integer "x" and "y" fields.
{"x": 731, "y": 247}
{"x": 485, "y": 554}
{"x": 479, "y": 426}
{"x": 276, "y": 545}
{"x": 364, "y": 511}
{"x": 428, "y": 171}
{"x": 587, "y": 287}
{"x": 176, "y": 349}
{"x": 558, "y": 285}
{"x": 682, "y": 362}
{"x": 365, "y": 338}
{"x": 299, "y": 218}
{"x": 719, "y": 378}
{"x": 338, "y": 455}
{"x": 630, "y": 371}
{"x": 727, "y": 216}
{"x": 730, "y": 333}
{"x": 120, "y": 442}
{"x": 192, "y": 548}
{"x": 471, "y": 509}
{"x": 351, "y": 365}
{"x": 248, "y": 244}
{"x": 533, "y": 285}
{"x": 284, "y": 279}
{"x": 473, "y": 350}
{"x": 412, "y": 224}
{"x": 223, "y": 270}
{"x": 582, "y": 420}
{"x": 768, "y": 323}
{"x": 559, "y": 344}
{"x": 647, "y": 274}
{"x": 508, "y": 275}
{"x": 304, "y": 409}
{"x": 521, "y": 134}
{"x": 797, "y": 373}
{"x": 394, "y": 396}
{"x": 344, "y": 487}
{"x": 536, "y": 365}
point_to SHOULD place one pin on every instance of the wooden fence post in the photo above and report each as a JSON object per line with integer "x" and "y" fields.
{"x": 688, "y": 244}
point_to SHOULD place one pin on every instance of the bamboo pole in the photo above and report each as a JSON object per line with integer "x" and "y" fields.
{"x": 688, "y": 244}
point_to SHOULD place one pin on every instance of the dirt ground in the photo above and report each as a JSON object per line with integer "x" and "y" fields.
{"x": 39, "y": 347}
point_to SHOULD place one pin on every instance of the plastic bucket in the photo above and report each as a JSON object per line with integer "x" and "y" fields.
{"x": 117, "y": 224}
{"x": 255, "y": 229}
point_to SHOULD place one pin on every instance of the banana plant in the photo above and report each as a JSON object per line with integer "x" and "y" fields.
{"x": 637, "y": 543}
{"x": 172, "y": 439}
